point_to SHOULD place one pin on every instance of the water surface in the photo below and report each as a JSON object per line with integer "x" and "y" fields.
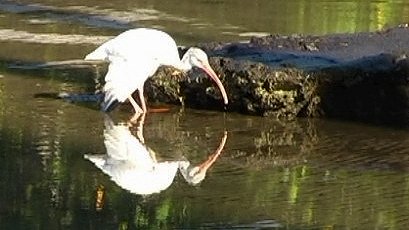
{"x": 79, "y": 23}
{"x": 303, "y": 174}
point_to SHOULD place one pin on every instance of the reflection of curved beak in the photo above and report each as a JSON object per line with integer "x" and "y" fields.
{"x": 198, "y": 173}
{"x": 212, "y": 158}
{"x": 209, "y": 71}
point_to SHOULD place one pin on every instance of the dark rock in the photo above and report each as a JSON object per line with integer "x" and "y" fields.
{"x": 253, "y": 88}
{"x": 360, "y": 76}
{"x": 373, "y": 89}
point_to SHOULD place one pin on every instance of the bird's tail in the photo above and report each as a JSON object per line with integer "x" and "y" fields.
{"x": 98, "y": 160}
{"x": 99, "y": 54}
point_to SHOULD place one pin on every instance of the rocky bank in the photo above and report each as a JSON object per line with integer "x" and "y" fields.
{"x": 363, "y": 76}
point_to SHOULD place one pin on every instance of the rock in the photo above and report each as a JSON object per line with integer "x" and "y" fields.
{"x": 360, "y": 76}
{"x": 253, "y": 88}
{"x": 371, "y": 89}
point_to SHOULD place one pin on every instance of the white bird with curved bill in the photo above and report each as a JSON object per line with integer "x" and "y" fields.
{"x": 135, "y": 55}
{"x": 134, "y": 166}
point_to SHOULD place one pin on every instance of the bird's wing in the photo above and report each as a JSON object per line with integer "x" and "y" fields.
{"x": 100, "y": 53}
{"x": 118, "y": 81}
{"x": 137, "y": 45}
{"x": 134, "y": 55}
{"x": 98, "y": 160}
{"x": 129, "y": 163}
{"x": 123, "y": 150}
{"x": 146, "y": 181}
{"x": 122, "y": 145}
{"x": 124, "y": 76}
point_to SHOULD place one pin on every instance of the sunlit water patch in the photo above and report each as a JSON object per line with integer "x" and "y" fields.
{"x": 50, "y": 38}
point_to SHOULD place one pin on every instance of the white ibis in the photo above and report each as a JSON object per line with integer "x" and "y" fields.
{"x": 135, "y": 55}
{"x": 133, "y": 166}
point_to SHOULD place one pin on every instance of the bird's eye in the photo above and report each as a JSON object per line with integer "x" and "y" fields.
{"x": 195, "y": 60}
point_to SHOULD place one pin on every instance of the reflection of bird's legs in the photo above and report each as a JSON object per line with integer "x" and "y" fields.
{"x": 138, "y": 110}
{"x": 138, "y": 119}
{"x": 139, "y": 128}
{"x": 139, "y": 135}
{"x": 212, "y": 158}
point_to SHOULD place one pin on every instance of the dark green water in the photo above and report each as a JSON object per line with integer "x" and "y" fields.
{"x": 304, "y": 174}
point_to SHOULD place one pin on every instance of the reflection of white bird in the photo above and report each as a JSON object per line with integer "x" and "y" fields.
{"x": 133, "y": 166}
{"x": 135, "y": 55}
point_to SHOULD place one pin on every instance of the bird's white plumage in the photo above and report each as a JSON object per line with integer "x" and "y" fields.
{"x": 133, "y": 166}
{"x": 134, "y": 56}
{"x": 123, "y": 78}
{"x": 138, "y": 45}
{"x": 129, "y": 162}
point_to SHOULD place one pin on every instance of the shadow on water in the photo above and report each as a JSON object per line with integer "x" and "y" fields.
{"x": 80, "y": 73}
{"x": 86, "y": 77}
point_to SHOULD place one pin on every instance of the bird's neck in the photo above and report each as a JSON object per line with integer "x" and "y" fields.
{"x": 184, "y": 64}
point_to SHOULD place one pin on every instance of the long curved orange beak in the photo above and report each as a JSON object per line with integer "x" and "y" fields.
{"x": 209, "y": 71}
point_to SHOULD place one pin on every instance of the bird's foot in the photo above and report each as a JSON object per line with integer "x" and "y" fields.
{"x": 135, "y": 118}
{"x": 138, "y": 120}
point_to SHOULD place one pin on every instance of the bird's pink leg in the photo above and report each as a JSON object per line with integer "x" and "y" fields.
{"x": 138, "y": 109}
{"x": 135, "y": 105}
{"x": 142, "y": 99}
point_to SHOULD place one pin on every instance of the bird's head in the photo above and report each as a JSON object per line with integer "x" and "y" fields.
{"x": 195, "y": 57}
{"x": 193, "y": 175}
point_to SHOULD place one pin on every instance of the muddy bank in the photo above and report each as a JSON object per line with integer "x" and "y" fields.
{"x": 352, "y": 76}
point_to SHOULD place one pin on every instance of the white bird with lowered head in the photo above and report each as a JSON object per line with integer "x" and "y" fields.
{"x": 135, "y": 55}
{"x": 134, "y": 166}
